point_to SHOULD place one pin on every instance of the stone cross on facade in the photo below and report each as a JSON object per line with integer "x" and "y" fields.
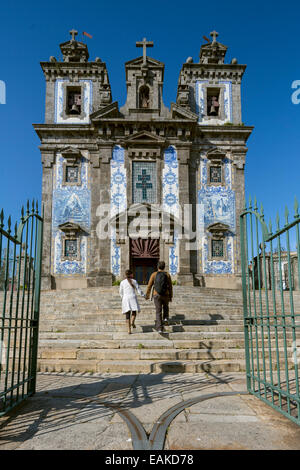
{"x": 144, "y": 44}
{"x": 73, "y": 33}
{"x": 214, "y": 35}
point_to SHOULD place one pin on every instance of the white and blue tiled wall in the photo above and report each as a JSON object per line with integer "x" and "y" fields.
{"x": 70, "y": 204}
{"x": 217, "y": 204}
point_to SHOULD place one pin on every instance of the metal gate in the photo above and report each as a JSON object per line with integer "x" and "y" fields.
{"x": 271, "y": 300}
{"x": 20, "y": 276}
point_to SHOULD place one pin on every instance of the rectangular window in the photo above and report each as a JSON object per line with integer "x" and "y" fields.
{"x": 144, "y": 182}
{"x": 73, "y": 100}
{"x": 217, "y": 249}
{"x": 215, "y": 174}
{"x": 213, "y": 103}
{"x": 71, "y": 250}
{"x": 72, "y": 174}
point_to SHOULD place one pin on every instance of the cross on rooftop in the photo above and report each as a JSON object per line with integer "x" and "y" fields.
{"x": 144, "y": 44}
{"x": 214, "y": 35}
{"x": 73, "y": 33}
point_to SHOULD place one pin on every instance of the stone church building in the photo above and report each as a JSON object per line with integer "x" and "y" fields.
{"x": 107, "y": 167}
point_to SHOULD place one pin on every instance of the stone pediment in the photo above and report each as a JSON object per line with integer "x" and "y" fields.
{"x": 143, "y": 137}
{"x": 215, "y": 155}
{"x": 182, "y": 113}
{"x": 110, "y": 111}
{"x": 218, "y": 228}
{"x": 139, "y": 61}
{"x": 71, "y": 154}
{"x": 74, "y": 51}
{"x": 70, "y": 228}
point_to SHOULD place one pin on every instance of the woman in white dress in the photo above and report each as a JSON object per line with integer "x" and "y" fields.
{"x": 128, "y": 289}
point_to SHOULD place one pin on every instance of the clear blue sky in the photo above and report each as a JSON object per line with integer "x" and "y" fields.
{"x": 263, "y": 35}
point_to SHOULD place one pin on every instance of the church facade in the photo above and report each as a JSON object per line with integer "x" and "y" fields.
{"x": 125, "y": 186}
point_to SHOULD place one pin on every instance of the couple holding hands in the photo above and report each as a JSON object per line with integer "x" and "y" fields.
{"x": 159, "y": 287}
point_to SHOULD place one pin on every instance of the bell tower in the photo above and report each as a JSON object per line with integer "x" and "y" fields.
{"x": 144, "y": 80}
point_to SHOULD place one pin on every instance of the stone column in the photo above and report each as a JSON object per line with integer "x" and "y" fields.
{"x": 48, "y": 159}
{"x": 184, "y": 275}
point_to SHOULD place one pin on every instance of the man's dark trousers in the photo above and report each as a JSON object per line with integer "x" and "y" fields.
{"x": 161, "y": 303}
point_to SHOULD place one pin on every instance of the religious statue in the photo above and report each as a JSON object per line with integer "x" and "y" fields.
{"x": 144, "y": 97}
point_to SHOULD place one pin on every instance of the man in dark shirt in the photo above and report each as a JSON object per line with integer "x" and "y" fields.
{"x": 161, "y": 301}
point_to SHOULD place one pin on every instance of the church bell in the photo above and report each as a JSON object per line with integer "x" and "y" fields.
{"x": 74, "y": 109}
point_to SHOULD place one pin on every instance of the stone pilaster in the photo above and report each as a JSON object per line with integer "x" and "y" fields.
{"x": 48, "y": 159}
{"x": 93, "y": 267}
{"x": 184, "y": 275}
{"x": 239, "y": 179}
{"x": 105, "y": 275}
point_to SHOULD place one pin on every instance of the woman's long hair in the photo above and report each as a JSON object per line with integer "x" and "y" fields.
{"x": 128, "y": 274}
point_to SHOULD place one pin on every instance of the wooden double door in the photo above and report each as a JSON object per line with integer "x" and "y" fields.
{"x": 144, "y": 255}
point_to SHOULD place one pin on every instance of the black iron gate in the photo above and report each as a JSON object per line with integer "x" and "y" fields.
{"x": 20, "y": 277}
{"x": 271, "y": 298}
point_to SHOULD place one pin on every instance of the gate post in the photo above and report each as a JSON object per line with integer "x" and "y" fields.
{"x": 36, "y": 304}
{"x": 244, "y": 262}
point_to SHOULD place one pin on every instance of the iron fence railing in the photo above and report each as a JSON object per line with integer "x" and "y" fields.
{"x": 20, "y": 275}
{"x": 271, "y": 300}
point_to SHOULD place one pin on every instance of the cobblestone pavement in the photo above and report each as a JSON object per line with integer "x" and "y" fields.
{"x": 114, "y": 411}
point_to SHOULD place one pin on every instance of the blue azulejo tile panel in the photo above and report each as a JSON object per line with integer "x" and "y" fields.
{"x": 204, "y": 172}
{"x": 174, "y": 256}
{"x": 200, "y": 102}
{"x": 219, "y": 206}
{"x": 170, "y": 199}
{"x": 118, "y": 183}
{"x": 200, "y": 105}
{"x": 118, "y": 200}
{"x": 87, "y": 102}
{"x": 69, "y": 267}
{"x": 70, "y": 204}
{"x": 143, "y": 182}
{"x": 214, "y": 266}
{"x": 115, "y": 256}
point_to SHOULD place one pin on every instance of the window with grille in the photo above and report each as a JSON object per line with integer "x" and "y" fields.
{"x": 71, "y": 249}
{"x": 215, "y": 174}
{"x": 72, "y": 173}
{"x": 144, "y": 182}
{"x": 217, "y": 248}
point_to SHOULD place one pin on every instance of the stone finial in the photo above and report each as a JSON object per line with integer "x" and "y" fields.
{"x": 214, "y": 52}
{"x": 189, "y": 60}
{"x": 73, "y": 50}
{"x": 73, "y": 33}
{"x": 214, "y": 35}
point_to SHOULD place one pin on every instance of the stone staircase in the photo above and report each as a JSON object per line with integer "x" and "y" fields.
{"x": 83, "y": 330}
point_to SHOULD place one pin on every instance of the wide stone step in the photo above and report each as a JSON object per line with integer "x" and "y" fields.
{"x": 160, "y": 342}
{"x": 159, "y": 354}
{"x": 144, "y": 366}
{"x": 107, "y": 329}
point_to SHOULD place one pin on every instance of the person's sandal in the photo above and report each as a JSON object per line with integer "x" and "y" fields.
{"x": 133, "y": 325}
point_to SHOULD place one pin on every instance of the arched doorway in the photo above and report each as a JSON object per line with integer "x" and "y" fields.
{"x": 144, "y": 256}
